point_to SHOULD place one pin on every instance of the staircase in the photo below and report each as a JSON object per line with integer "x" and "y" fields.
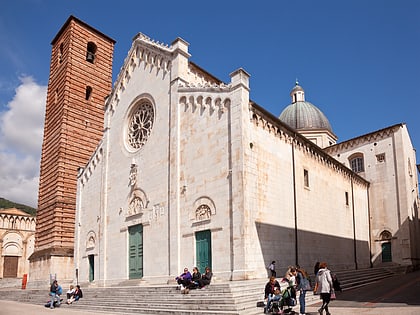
{"x": 224, "y": 298}
{"x": 352, "y": 279}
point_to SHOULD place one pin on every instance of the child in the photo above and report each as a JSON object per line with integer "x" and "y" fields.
{"x": 275, "y": 297}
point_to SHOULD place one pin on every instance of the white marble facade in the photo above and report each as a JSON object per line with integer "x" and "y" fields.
{"x": 185, "y": 156}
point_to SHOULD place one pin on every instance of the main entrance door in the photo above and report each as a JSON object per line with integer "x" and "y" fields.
{"x": 203, "y": 249}
{"x": 135, "y": 248}
{"x": 10, "y": 266}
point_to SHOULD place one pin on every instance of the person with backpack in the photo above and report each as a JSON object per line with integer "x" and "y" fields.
{"x": 303, "y": 285}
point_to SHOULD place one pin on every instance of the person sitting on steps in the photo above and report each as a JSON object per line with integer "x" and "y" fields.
{"x": 55, "y": 292}
{"x": 184, "y": 279}
{"x": 77, "y": 294}
{"x": 70, "y": 292}
{"x": 196, "y": 276}
{"x": 269, "y": 290}
{"x": 205, "y": 278}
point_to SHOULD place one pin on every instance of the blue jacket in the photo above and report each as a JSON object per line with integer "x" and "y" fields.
{"x": 56, "y": 289}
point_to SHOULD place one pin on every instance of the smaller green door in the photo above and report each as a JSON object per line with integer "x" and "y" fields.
{"x": 135, "y": 248}
{"x": 386, "y": 252}
{"x": 203, "y": 249}
{"x": 91, "y": 259}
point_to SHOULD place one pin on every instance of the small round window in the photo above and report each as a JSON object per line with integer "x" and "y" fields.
{"x": 140, "y": 124}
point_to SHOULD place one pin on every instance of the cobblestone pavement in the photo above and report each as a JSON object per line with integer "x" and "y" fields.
{"x": 16, "y": 308}
{"x": 396, "y": 295}
{"x": 13, "y": 308}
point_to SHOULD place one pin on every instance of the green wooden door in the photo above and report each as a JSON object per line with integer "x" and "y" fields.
{"x": 386, "y": 252}
{"x": 203, "y": 249}
{"x": 135, "y": 248}
{"x": 91, "y": 259}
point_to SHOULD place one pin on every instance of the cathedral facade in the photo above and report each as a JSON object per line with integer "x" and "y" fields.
{"x": 17, "y": 239}
{"x": 191, "y": 172}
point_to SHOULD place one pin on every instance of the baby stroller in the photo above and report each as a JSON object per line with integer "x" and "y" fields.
{"x": 288, "y": 300}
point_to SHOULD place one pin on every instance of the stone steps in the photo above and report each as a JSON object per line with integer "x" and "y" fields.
{"x": 224, "y": 298}
{"x": 351, "y": 279}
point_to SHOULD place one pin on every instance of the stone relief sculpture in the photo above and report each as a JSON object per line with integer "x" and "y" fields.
{"x": 139, "y": 202}
{"x": 91, "y": 242}
{"x": 133, "y": 175}
{"x": 202, "y": 209}
{"x": 136, "y": 206}
{"x": 203, "y": 212}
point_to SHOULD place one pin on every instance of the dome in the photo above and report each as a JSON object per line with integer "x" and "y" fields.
{"x": 303, "y": 115}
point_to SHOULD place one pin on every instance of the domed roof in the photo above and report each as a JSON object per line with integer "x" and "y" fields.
{"x": 303, "y": 115}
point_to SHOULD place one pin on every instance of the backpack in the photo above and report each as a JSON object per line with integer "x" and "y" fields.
{"x": 336, "y": 283}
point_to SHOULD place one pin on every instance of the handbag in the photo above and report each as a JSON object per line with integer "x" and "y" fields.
{"x": 333, "y": 297}
{"x": 306, "y": 285}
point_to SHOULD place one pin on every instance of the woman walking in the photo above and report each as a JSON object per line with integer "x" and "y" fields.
{"x": 325, "y": 286}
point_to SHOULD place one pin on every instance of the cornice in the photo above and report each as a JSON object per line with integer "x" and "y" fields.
{"x": 364, "y": 139}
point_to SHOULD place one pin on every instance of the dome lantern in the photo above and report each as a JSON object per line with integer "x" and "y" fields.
{"x": 297, "y": 93}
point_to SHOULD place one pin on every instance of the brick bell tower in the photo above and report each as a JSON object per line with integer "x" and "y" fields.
{"x": 80, "y": 79}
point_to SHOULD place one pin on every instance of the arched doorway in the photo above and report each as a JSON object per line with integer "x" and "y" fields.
{"x": 386, "y": 237}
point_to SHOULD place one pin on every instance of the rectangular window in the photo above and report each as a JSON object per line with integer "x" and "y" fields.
{"x": 306, "y": 178}
{"x": 347, "y": 198}
{"x": 356, "y": 165}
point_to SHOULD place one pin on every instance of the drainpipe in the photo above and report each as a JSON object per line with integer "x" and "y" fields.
{"x": 354, "y": 225}
{"x": 370, "y": 230}
{"x": 230, "y": 162}
{"x": 294, "y": 204}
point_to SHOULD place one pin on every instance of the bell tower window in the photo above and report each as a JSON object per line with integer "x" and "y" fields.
{"x": 91, "y": 51}
{"x": 88, "y": 92}
{"x": 60, "y": 53}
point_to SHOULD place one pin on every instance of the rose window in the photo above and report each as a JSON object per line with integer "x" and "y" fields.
{"x": 140, "y": 125}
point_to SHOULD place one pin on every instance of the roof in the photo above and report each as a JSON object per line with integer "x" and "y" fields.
{"x": 367, "y": 135}
{"x": 303, "y": 115}
{"x": 14, "y": 211}
{"x": 72, "y": 18}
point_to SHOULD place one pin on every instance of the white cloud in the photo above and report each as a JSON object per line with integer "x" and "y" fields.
{"x": 21, "y": 131}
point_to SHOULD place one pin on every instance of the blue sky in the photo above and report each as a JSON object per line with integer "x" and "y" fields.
{"x": 358, "y": 61}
